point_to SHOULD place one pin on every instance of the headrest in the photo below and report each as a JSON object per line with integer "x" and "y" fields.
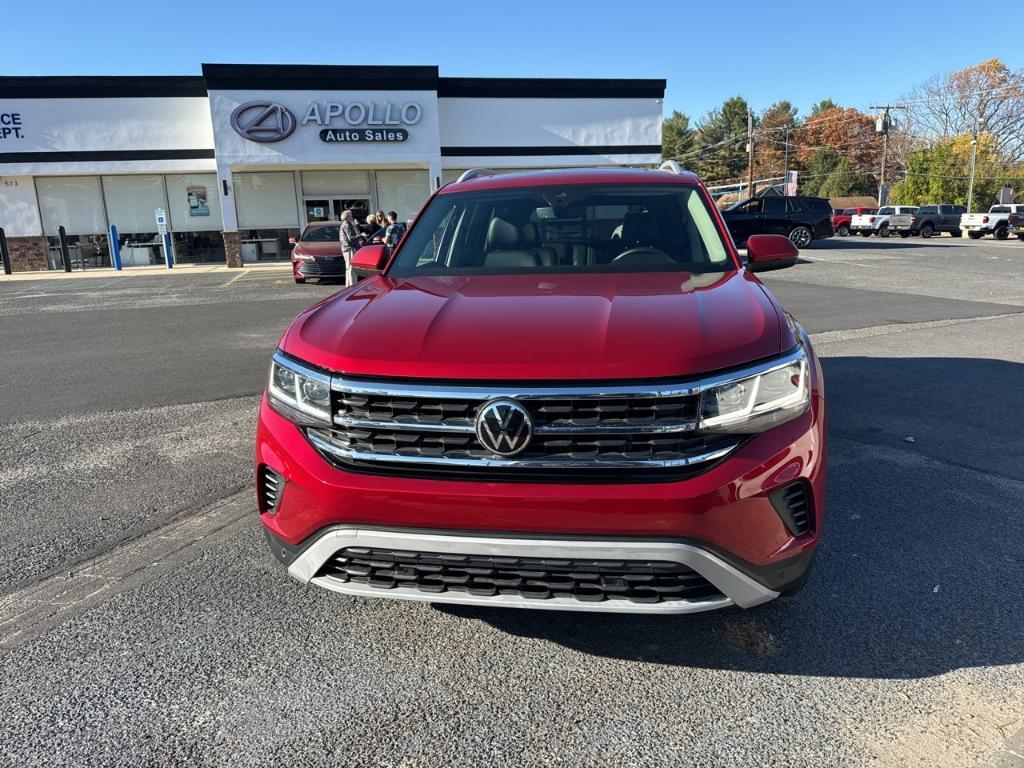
{"x": 639, "y": 229}
{"x": 511, "y": 259}
{"x": 530, "y": 234}
{"x": 501, "y": 234}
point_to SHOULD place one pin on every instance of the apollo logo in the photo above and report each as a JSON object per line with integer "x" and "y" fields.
{"x": 263, "y": 121}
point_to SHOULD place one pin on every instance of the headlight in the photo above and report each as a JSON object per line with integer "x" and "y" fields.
{"x": 776, "y": 394}
{"x": 299, "y": 393}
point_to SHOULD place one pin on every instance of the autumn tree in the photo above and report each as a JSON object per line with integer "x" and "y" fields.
{"x": 822, "y": 106}
{"x": 776, "y": 128}
{"x": 988, "y": 97}
{"x": 847, "y": 131}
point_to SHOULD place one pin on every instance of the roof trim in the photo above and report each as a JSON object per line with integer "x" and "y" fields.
{"x": 101, "y": 87}
{"x": 548, "y": 88}
{"x": 317, "y": 77}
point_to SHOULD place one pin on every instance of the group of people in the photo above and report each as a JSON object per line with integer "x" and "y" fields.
{"x": 354, "y": 235}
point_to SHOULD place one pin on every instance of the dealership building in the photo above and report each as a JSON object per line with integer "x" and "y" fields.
{"x": 237, "y": 161}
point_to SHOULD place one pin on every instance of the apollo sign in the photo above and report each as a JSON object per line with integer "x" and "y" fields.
{"x": 354, "y": 121}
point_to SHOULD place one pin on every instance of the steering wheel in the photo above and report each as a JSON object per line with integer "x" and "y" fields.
{"x": 654, "y": 255}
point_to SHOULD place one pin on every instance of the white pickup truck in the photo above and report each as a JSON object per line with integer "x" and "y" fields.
{"x": 867, "y": 224}
{"x": 996, "y": 222}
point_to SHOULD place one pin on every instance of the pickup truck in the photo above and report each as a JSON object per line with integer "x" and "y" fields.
{"x": 929, "y": 220}
{"x": 878, "y": 223}
{"x": 841, "y": 219}
{"x": 1016, "y": 225}
{"x": 996, "y": 222}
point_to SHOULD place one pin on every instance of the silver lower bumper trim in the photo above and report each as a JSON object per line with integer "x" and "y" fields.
{"x": 736, "y": 587}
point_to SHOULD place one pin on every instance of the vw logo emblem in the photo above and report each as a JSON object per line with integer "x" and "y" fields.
{"x": 262, "y": 121}
{"x": 504, "y": 427}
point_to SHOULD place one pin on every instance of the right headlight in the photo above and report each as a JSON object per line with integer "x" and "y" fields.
{"x": 299, "y": 393}
{"x": 757, "y": 402}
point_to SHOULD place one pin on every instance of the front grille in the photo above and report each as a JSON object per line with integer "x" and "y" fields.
{"x": 793, "y": 504}
{"x": 323, "y": 267}
{"x": 606, "y": 433}
{"x": 528, "y": 577}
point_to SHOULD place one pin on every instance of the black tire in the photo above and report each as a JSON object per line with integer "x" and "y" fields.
{"x": 300, "y": 280}
{"x": 801, "y": 237}
{"x": 927, "y": 230}
{"x": 844, "y": 230}
{"x": 975, "y": 235}
{"x": 865, "y": 233}
{"x": 1020, "y": 237}
{"x": 1001, "y": 233}
{"x": 883, "y": 231}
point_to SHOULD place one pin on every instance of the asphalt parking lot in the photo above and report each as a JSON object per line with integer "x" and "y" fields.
{"x": 144, "y": 622}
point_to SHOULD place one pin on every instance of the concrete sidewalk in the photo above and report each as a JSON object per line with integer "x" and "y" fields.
{"x": 147, "y": 271}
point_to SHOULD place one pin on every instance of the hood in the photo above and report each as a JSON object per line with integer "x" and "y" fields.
{"x": 325, "y": 248}
{"x": 542, "y": 327}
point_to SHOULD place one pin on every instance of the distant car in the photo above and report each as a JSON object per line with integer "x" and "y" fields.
{"x": 996, "y": 222}
{"x": 801, "y": 219}
{"x": 877, "y": 223}
{"x": 1016, "y": 225}
{"x": 317, "y": 252}
{"x": 841, "y": 221}
{"x": 929, "y": 220}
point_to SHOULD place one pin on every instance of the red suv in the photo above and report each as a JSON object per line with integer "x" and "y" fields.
{"x": 563, "y": 390}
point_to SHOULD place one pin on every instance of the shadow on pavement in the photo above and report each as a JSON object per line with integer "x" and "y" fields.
{"x": 920, "y": 569}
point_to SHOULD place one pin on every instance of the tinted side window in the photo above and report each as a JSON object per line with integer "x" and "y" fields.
{"x": 774, "y": 205}
{"x": 814, "y": 204}
{"x": 928, "y": 209}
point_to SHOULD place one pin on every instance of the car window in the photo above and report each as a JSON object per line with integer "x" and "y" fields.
{"x": 1000, "y": 209}
{"x": 320, "y": 235}
{"x": 928, "y": 209}
{"x": 886, "y": 211}
{"x": 849, "y": 211}
{"x": 747, "y": 206}
{"x": 572, "y": 228}
{"x": 774, "y": 205}
{"x": 814, "y": 204}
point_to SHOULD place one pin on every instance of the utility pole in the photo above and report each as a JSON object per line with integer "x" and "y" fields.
{"x": 750, "y": 153}
{"x": 974, "y": 156}
{"x": 785, "y": 167}
{"x": 882, "y": 126}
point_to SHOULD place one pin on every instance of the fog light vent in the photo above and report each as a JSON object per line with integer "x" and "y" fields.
{"x": 793, "y": 503}
{"x": 269, "y": 486}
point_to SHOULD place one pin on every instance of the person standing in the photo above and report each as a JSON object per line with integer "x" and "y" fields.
{"x": 394, "y": 231}
{"x": 379, "y": 220}
{"x": 351, "y": 241}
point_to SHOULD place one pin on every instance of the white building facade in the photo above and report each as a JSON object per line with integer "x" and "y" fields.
{"x": 240, "y": 159}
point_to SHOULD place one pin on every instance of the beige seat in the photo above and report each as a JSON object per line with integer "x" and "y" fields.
{"x": 504, "y": 246}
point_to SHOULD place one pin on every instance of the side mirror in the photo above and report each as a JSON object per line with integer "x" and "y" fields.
{"x": 293, "y": 240}
{"x": 370, "y": 258}
{"x": 768, "y": 252}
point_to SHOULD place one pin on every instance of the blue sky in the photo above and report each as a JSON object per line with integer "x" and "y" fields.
{"x": 708, "y": 51}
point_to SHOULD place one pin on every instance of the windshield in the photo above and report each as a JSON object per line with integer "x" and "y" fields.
{"x": 320, "y": 234}
{"x": 571, "y": 228}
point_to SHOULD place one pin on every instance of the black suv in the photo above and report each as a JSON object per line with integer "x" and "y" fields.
{"x": 801, "y": 219}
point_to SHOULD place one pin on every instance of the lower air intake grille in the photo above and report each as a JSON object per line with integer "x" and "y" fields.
{"x": 535, "y": 578}
{"x": 269, "y": 485}
{"x": 793, "y": 503}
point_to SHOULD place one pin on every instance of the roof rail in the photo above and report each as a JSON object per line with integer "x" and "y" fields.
{"x": 474, "y": 173}
{"x": 672, "y": 167}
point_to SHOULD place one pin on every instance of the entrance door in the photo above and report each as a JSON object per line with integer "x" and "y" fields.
{"x": 359, "y": 206}
{"x": 317, "y": 210}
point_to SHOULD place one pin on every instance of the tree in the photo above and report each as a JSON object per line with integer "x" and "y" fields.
{"x": 819, "y": 166}
{"x": 776, "y": 127}
{"x": 844, "y": 180}
{"x": 678, "y": 140}
{"x": 721, "y": 141}
{"x": 822, "y": 106}
{"x": 847, "y": 131}
{"x": 988, "y": 97}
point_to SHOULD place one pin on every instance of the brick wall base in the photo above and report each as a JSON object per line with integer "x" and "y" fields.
{"x": 233, "y": 249}
{"x": 28, "y": 254}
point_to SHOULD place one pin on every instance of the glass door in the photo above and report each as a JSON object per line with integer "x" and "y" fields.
{"x": 359, "y": 206}
{"x": 317, "y": 210}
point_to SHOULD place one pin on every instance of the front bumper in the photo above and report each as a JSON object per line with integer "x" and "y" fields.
{"x": 722, "y": 523}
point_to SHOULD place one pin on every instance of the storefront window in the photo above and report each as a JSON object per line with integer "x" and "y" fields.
{"x": 267, "y": 244}
{"x": 198, "y": 247}
{"x": 266, "y": 200}
{"x": 335, "y": 183}
{"x": 84, "y": 251}
{"x": 73, "y": 202}
{"x": 403, "y": 192}
{"x": 193, "y": 202}
{"x": 132, "y": 201}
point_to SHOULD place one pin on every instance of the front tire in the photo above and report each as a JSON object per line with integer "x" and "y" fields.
{"x": 883, "y": 231}
{"x": 300, "y": 280}
{"x": 1002, "y": 233}
{"x": 800, "y": 237}
{"x": 927, "y": 230}
{"x": 844, "y": 230}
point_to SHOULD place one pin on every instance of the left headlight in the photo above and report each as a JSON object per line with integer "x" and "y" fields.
{"x": 777, "y": 393}
{"x": 299, "y": 393}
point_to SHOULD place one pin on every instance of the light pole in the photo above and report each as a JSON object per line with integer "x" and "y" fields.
{"x": 974, "y": 156}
